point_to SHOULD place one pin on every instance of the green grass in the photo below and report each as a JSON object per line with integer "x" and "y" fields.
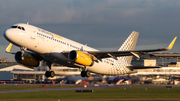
{"x": 134, "y": 93}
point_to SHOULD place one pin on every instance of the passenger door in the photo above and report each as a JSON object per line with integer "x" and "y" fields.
{"x": 33, "y": 33}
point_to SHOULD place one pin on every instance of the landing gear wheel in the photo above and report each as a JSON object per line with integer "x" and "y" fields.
{"x": 47, "y": 74}
{"x": 23, "y": 49}
{"x": 22, "y": 57}
{"x": 50, "y": 74}
{"x": 85, "y": 74}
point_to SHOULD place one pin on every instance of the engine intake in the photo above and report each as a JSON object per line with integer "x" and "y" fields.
{"x": 28, "y": 60}
{"x": 80, "y": 58}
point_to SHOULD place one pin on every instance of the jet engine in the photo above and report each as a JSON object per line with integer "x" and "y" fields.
{"x": 27, "y": 59}
{"x": 80, "y": 58}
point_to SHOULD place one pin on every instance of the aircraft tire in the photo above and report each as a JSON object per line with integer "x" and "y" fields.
{"x": 83, "y": 73}
{"x": 52, "y": 73}
{"x": 87, "y": 74}
{"x": 47, "y": 74}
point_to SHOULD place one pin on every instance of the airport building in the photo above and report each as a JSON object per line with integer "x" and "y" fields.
{"x": 17, "y": 73}
{"x": 169, "y": 63}
{"x": 162, "y": 59}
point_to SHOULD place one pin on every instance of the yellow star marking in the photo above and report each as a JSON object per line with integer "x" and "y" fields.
{"x": 57, "y": 36}
{"x": 130, "y": 42}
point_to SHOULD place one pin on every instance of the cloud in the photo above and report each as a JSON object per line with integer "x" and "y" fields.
{"x": 99, "y": 23}
{"x": 88, "y": 12}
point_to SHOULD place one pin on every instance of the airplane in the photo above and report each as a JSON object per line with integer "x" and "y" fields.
{"x": 37, "y": 44}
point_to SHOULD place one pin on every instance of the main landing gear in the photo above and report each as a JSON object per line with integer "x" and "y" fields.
{"x": 49, "y": 73}
{"x": 85, "y": 73}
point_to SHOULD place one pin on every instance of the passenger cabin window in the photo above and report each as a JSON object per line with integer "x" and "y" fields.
{"x": 19, "y": 27}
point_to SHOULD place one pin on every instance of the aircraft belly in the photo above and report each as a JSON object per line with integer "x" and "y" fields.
{"x": 104, "y": 68}
{"x": 100, "y": 68}
{"x": 58, "y": 56}
{"x": 60, "y": 59}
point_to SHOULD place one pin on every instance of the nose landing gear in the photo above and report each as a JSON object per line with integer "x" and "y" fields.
{"x": 23, "y": 49}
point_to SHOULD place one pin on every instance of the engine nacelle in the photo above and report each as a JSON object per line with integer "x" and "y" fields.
{"x": 28, "y": 60}
{"x": 80, "y": 58}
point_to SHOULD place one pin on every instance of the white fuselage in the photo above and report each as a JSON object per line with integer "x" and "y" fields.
{"x": 50, "y": 46}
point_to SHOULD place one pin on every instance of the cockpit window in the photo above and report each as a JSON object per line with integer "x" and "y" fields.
{"x": 23, "y": 28}
{"x": 14, "y": 27}
{"x": 19, "y": 27}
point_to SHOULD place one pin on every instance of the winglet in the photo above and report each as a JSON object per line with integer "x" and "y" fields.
{"x": 8, "y": 49}
{"x": 172, "y": 43}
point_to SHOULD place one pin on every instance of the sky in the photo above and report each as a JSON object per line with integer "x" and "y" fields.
{"x": 101, "y": 24}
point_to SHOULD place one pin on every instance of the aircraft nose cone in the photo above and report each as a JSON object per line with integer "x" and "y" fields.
{"x": 7, "y": 34}
{"x": 4, "y": 33}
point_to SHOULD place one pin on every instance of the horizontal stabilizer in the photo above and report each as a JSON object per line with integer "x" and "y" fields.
{"x": 142, "y": 67}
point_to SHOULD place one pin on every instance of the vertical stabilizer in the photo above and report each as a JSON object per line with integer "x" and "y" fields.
{"x": 129, "y": 44}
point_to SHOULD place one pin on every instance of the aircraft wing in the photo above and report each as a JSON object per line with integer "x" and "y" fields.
{"x": 114, "y": 54}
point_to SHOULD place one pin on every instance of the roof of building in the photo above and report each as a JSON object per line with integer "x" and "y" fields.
{"x": 172, "y": 54}
{"x": 16, "y": 68}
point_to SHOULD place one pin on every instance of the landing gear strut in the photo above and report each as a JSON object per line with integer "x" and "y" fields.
{"x": 49, "y": 73}
{"x": 85, "y": 73}
{"x": 23, "y": 49}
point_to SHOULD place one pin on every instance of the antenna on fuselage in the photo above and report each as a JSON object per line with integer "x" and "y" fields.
{"x": 81, "y": 48}
{"x": 27, "y": 23}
